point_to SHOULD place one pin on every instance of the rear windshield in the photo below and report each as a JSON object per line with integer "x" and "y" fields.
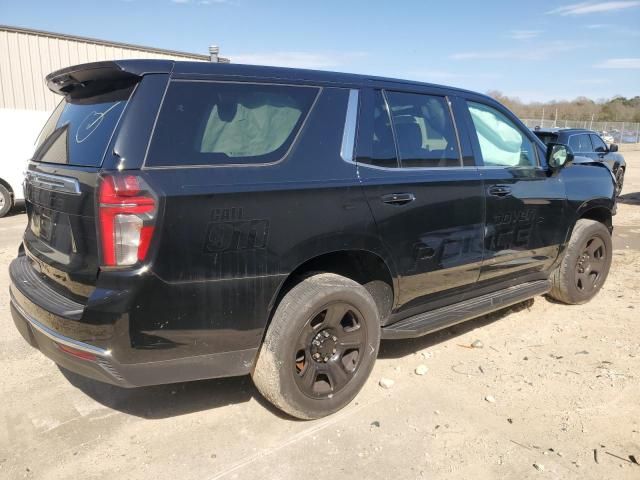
{"x": 208, "y": 123}
{"x": 547, "y": 137}
{"x": 79, "y": 130}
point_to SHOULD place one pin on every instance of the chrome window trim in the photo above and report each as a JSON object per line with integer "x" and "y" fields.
{"x": 54, "y": 183}
{"x": 522, "y": 167}
{"x": 453, "y": 169}
{"x": 422, "y": 169}
{"x": 349, "y": 132}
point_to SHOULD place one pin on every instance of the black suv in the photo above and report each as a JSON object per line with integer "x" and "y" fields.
{"x": 587, "y": 146}
{"x": 193, "y": 220}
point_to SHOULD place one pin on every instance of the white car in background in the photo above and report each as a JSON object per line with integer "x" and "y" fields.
{"x": 607, "y": 137}
{"x": 11, "y": 176}
{"x": 19, "y": 128}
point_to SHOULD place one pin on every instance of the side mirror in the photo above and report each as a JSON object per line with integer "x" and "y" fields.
{"x": 613, "y": 147}
{"x": 558, "y": 155}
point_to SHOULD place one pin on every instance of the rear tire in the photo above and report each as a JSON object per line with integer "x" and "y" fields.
{"x": 6, "y": 201}
{"x": 585, "y": 265}
{"x": 320, "y": 347}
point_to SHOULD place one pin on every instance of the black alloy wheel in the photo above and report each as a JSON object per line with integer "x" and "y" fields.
{"x": 591, "y": 264}
{"x": 329, "y": 350}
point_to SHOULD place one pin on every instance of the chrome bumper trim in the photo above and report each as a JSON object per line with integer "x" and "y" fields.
{"x": 55, "y": 336}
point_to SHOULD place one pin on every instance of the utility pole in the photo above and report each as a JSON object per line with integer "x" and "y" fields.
{"x": 555, "y": 121}
{"x": 591, "y": 124}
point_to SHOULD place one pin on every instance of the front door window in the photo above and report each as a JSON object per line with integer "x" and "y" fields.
{"x": 502, "y": 144}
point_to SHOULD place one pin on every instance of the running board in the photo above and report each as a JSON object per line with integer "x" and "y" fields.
{"x": 439, "y": 318}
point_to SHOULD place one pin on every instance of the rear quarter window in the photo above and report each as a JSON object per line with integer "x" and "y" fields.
{"x": 212, "y": 123}
{"x": 547, "y": 138}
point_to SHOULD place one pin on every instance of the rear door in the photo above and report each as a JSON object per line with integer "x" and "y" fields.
{"x": 424, "y": 191}
{"x": 524, "y": 201}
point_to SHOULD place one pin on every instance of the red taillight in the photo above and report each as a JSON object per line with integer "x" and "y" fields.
{"x": 126, "y": 211}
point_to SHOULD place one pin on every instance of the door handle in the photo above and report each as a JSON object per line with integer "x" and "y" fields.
{"x": 500, "y": 190}
{"x": 398, "y": 198}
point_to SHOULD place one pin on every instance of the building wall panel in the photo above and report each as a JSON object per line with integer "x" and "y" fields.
{"x": 27, "y": 56}
{"x": 5, "y": 79}
{"x": 26, "y": 72}
{"x": 15, "y": 71}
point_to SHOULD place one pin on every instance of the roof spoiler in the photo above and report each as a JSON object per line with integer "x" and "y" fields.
{"x": 91, "y": 78}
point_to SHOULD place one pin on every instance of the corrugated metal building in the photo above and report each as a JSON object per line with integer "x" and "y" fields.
{"x": 26, "y": 57}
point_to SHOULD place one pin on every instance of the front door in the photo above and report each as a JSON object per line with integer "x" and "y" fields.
{"x": 525, "y": 202}
{"x": 581, "y": 145}
{"x": 427, "y": 204}
{"x": 602, "y": 153}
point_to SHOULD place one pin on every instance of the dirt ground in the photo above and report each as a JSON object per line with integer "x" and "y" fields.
{"x": 553, "y": 393}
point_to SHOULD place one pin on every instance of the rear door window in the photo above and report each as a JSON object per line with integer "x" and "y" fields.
{"x": 79, "y": 130}
{"x": 580, "y": 143}
{"x": 209, "y": 123}
{"x": 424, "y": 130}
{"x": 381, "y": 143}
{"x": 547, "y": 138}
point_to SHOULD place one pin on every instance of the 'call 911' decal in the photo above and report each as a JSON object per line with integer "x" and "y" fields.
{"x": 230, "y": 232}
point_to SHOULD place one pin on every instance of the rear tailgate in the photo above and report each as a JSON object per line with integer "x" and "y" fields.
{"x": 61, "y": 240}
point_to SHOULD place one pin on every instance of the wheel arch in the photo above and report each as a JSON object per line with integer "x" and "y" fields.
{"x": 599, "y": 212}
{"x": 12, "y": 197}
{"x": 368, "y": 268}
{"x": 7, "y": 185}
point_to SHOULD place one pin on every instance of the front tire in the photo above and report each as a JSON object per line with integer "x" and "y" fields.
{"x": 619, "y": 180}
{"x": 320, "y": 347}
{"x": 585, "y": 265}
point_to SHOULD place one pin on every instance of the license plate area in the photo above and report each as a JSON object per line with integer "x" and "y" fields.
{"x": 42, "y": 224}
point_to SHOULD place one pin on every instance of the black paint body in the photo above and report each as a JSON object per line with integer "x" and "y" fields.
{"x": 229, "y": 237}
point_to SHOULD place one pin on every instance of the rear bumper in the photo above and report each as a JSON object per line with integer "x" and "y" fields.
{"x": 65, "y": 338}
{"x": 88, "y": 360}
{"x": 99, "y": 364}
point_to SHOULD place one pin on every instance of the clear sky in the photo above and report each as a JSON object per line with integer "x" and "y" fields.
{"x": 533, "y": 49}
